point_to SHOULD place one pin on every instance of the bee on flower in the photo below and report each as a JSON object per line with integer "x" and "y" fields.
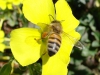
{"x": 54, "y": 33}
{"x": 26, "y": 47}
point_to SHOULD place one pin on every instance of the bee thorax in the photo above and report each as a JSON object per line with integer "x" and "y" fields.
{"x": 56, "y": 27}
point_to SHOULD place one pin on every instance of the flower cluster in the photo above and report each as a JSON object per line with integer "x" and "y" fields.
{"x": 8, "y": 3}
{"x": 27, "y": 50}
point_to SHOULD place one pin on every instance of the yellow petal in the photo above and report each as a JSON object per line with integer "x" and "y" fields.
{"x": 1, "y": 34}
{"x": 38, "y": 11}
{"x": 3, "y": 4}
{"x": 1, "y": 40}
{"x": 9, "y": 6}
{"x": 24, "y": 47}
{"x": 64, "y": 14}
{"x": 16, "y": 2}
{"x": 2, "y": 47}
{"x": 67, "y": 45}
{"x": 53, "y": 66}
{"x": 57, "y": 64}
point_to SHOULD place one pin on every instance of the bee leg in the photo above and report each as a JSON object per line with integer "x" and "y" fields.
{"x": 38, "y": 40}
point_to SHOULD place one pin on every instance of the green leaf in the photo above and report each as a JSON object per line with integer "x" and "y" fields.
{"x": 81, "y": 29}
{"x": 91, "y": 24}
{"x": 70, "y": 72}
{"x": 95, "y": 44}
{"x": 85, "y": 52}
{"x": 96, "y": 34}
{"x": 11, "y": 22}
{"x": 83, "y": 1}
{"x": 6, "y": 69}
{"x": 85, "y": 37}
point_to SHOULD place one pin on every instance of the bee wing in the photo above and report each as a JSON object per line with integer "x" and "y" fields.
{"x": 79, "y": 45}
{"x": 24, "y": 47}
{"x": 73, "y": 40}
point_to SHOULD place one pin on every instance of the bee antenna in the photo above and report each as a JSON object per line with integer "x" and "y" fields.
{"x": 51, "y": 17}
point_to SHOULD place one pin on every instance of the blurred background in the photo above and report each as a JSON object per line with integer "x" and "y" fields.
{"x": 83, "y": 62}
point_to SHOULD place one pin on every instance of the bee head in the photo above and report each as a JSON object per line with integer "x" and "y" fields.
{"x": 56, "y": 26}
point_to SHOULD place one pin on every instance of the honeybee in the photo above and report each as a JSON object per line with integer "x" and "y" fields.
{"x": 54, "y": 37}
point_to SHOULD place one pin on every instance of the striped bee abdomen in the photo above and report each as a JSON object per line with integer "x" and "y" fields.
{"x": 54, "y": 42}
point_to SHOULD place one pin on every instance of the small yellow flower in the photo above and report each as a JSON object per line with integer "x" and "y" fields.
{"x": 2, "y": 46}
{"x": 25, "y": 47}
{"x": 15, "y": 2}
{"x": 3, "y": 4}
{"x": 8, "y": 3}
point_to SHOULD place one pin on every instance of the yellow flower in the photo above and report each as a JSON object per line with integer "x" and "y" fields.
{"x": 5, "y": 4}
{"x": 25, "y": 47}
{"x": 15, "y": 2}
{"x": 8, "y": 3}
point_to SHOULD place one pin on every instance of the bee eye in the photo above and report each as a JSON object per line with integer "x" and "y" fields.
{"x": 54, "y": 28}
